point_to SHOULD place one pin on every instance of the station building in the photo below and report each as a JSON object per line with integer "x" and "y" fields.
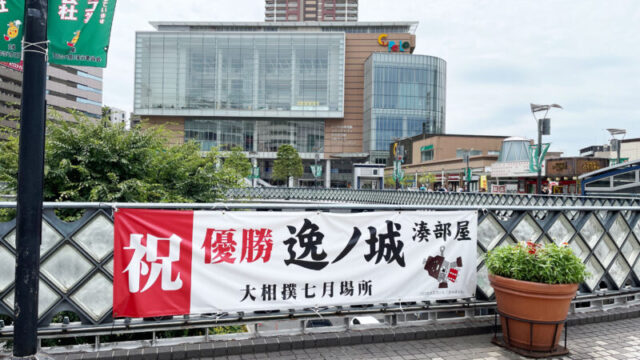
{"x": 340, "y": 90}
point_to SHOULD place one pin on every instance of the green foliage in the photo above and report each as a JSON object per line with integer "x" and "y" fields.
{"x": 287, "y": 164}
{"x": 233, "y": 329}
{"x": 427, "y": 179}
{"x": 9, "y": 164}
{"x": 389, "y": 182}
{"x": 88, "y": 161}
{"x": 237, "y": 162}
{"x": 549, "y": 264}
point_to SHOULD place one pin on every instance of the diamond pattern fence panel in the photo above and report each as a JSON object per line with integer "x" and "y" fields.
{"x": 77, "y": 255}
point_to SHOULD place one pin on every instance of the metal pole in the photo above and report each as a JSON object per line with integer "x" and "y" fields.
{"x": 397, "y": 171}
{"x": 539, "y": 164}
{"x": 467, "y": 175}
{"x": 30, "y": 181}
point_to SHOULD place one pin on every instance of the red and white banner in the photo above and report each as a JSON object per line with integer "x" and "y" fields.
{"x": 182, "y": 262}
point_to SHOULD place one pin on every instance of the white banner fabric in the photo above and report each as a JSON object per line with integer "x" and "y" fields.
{"x": 245, "y": 261}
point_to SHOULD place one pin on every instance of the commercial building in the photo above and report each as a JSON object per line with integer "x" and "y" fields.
{"x": 562, "y": 173}
{"x": 442, "y": 156}
{"x": 116, "y": 116}
{"x": 513, "y": 172}
{"x": 262, "y": 85}
{"x": 310, "y": 10}
{"x": 68, "y": 88}
{"x": 629, "y": 151}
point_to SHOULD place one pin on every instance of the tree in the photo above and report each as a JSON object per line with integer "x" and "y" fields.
{"x": 237, "y": 162}
{"x": 427, "y": 179}
{"x": 97, "y": 161}
{"x": 287, "y": 164}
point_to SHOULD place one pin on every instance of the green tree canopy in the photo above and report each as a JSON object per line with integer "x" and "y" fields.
{"x": 235, "y": 161}
{"x": 287, "y": 164}
{"x": 87, "y": 161}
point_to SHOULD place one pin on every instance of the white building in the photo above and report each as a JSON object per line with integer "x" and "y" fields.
{"x": 118, "y": 116}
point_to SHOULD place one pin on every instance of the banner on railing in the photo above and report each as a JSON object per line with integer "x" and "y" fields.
{"x": 181, "y": 262}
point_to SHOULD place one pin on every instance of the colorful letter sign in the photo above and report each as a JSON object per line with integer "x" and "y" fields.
{"x": 392, "y": 46}
{"x": 11, "y": 26}
{"x": 181, "y": 262}
{"x": 79, "y": 31}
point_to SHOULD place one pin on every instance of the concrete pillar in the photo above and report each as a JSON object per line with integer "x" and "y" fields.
{"x": 327, "y": 174}
{"x": 254, "y": 163}
{"x": 290, "y": 182}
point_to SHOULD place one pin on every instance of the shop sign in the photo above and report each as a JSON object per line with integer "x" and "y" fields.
{"x": 584, "y": 166}
{"x": 560, "y": 167}
{"x": 511, "y": 169}
{"x": 394, "y": 46}
{"x": 183, "y": 262}
{"x": 483, "y": 182}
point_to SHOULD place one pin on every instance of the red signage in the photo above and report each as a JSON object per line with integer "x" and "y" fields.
{"x": 14, "y": 66}
{"x": 153, "y": 262}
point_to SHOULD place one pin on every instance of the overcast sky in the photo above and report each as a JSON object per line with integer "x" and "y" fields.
{"x": 501, "y": 55}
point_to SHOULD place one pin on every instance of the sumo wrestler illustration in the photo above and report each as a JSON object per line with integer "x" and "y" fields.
{"x": 76, "y": 36}
{"x": 13, "y": 30}
{"x": 442, "y": 270}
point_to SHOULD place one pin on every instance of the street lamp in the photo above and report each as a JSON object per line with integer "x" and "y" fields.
{"x": 615, "y": 141}
{"x": 544, "y": 128}
{"x": 466, "y": 153}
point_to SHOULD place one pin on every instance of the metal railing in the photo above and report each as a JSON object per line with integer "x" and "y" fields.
{"x": 425, "y": 198}
{"x": 77, "y": 260}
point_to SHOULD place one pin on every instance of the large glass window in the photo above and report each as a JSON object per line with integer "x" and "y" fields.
{"x": 256, "y": 135}
{"x": 426, "y": 155}
{"x": 404, "y": 96}
{"x": 270, "y": 75}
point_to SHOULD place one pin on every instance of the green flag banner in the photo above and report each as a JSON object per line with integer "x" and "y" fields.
{"x": 79, "y": 31}
{"x": 11, "y": 25}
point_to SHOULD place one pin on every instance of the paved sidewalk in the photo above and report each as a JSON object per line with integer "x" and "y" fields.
{"x": 606, "y": 341}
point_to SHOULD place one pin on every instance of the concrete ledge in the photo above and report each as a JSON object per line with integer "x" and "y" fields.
{"x": 212, "y": 349}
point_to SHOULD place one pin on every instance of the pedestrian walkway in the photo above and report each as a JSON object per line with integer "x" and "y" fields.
{"x": 606, "y": 341}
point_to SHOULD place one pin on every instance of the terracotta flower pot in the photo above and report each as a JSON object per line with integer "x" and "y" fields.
{"x": 524, "y": 300}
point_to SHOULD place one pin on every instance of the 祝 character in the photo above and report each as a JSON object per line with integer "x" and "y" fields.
{"x": 76, "y": 36}
{"x": 13, "y": 30}
{"x": 149, "y": 261}
{"x": 442, "y": 270}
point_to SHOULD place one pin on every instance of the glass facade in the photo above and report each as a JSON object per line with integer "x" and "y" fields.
{"x": 402, "y": 94}
{"x": 307, "y": 136}
{"x": 269, "y": 75}
{"x": 514, "y": 150}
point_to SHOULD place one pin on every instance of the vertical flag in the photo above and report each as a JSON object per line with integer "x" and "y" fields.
{"x": 79, "y": 31}
{"x": 11, "y": 26}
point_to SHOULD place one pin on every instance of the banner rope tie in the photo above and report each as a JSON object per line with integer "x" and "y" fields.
{"x": 317, "y": 312}
{"x": 39, "y": 48}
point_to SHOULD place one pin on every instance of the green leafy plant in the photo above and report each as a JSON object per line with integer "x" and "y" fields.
{"x": 96, "y": 161}
{"x": 237, "y": 162}
{"x": 549, "y": 264}
{"x": 287, "y": 164}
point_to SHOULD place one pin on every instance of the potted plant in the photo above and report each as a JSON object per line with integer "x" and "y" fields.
{"x": 534, "y": 285}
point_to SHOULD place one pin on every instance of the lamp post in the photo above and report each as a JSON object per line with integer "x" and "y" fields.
{"x": 615, "y": 141}
{"x": 466, "y": 153}
{"x": 544, "y": 128}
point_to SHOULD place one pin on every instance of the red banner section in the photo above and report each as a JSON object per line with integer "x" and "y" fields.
{"x": 152, "y": 262}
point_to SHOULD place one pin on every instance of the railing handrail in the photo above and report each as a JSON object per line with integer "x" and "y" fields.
{"x": 316, "y": 206}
